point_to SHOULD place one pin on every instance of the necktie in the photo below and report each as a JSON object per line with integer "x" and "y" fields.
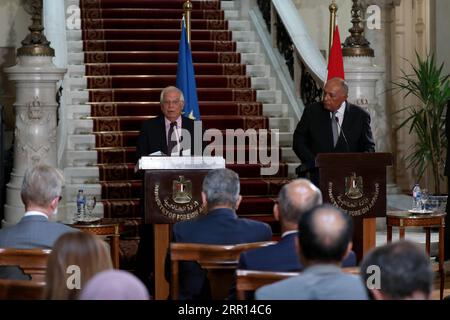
{"x": 171, "y": 143}
{"x": 334, "y": 127}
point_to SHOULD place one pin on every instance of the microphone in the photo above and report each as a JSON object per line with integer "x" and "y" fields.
{"x": 343, "y": 134}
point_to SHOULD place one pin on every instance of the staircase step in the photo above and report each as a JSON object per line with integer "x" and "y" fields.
{"x": 81, "y": 175}
{"x": 80, "y": 142}
{"x": 139, "y": 68}
{"x": 83, "y": 126}
{"x": 288, "y": 155}
{"x": 232, "y": 69}
{"x": 154, "y": 108}
{"x": 150, "y": 13}
{"x": 148, "y": 45}
{"x": 153, "y": 94}
{"x": 162, "y": 56}
{"x": 155, "y": 4}
{"x": 246, "y": 36}
{"x": 252, "y": 58}
{"x": 275, "y": 110}
{"x": 164, "y": 34}
{"x": 283, "y": 124}
{"x": 258, "y": 70}
{"x": 146, "y": 81}
{"x": 139, "y": 24}
{"x": 231, "y": 14}
{"x": 161, "y": 23}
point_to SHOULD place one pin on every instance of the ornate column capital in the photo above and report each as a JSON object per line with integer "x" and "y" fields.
{"x": 356, "y": 45}
{"x": 381, "y": 3}
{"x": 35, "y": 44}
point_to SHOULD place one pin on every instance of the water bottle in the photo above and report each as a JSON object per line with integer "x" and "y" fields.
{"x": 81, "y": 204}
{"x": 417, "y": 195}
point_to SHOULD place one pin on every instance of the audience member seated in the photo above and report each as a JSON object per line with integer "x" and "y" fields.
{"x": 404, "y": 272}
{"x": 114, "y": 285}
{"x": 40, "y": 193}
{"x": 221, "y": 225}
{"x": 76, "y": 257}
{"x": 294, "y": 199}
{"x": 324, "y": 239}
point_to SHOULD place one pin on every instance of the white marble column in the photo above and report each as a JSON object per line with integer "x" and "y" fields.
{"x": 35, "y": 129}
{"x": 366, "y": 81}
{"x": 54, "y": 20}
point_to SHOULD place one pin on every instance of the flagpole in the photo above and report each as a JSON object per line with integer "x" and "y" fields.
{"x": 333, "y": 11}
{"x": 187, "y": 7}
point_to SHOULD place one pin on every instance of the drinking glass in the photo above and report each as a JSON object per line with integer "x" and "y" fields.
{"x": 424, "y": 200}
{"x": 90, "y": 204}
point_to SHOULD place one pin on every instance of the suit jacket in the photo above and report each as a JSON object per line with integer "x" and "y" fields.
{"x": 29, "y": 233}
{"x": 152, "y": 137}
{"x": 314, "y": 134}
{"x": 318, "y": 282}
{"x": 281, "y": 257}
{"x": 220, "y": 226}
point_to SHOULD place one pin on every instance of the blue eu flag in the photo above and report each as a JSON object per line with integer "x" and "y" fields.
{"x": 186, "y": 77}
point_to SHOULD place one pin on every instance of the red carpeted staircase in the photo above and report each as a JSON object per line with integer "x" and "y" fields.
{"x": 130, "y": 54}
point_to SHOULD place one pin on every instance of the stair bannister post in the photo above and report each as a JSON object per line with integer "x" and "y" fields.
{"x": 333, "y": 12}
{"x": 187, "y": 7}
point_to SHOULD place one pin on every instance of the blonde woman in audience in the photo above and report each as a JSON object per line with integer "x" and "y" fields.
{"x": 114, "y": 285}
{"x": 75, "y": 258}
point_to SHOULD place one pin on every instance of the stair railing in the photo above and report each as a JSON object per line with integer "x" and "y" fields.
{"x": 306, "y": 64}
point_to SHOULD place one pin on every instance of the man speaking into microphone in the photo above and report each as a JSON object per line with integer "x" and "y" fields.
{"x": 331, "y": 126}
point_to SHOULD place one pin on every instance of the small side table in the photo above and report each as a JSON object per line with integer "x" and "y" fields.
{"x": 108, "y": 228}
{"x": 403, "y": 219}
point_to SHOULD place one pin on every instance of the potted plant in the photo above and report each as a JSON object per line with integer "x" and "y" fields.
{"x": 426, "y": 120}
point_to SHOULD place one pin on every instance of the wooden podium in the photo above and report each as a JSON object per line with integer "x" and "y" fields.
{"x": 172, "y": 188}
{"x": 356, "y": 183}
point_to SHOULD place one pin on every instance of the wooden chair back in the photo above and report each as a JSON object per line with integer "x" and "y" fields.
{"x": 250, "y": 280}
{"x": 21, "y": 290}
{"x": 33, "y": 262}
{"x": 220, "y": 262}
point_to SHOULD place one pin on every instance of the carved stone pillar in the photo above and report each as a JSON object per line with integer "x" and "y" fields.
{"x": 380, "y": 39}
{"x": 35, "y": 77}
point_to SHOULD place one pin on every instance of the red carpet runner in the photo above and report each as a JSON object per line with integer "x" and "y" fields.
{"x": 131, "y": 49}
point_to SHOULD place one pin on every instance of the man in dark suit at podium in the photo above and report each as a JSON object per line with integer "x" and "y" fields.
{"x": 331, "y": 126}
{"x": 156, "y": 133}
{"x": 156, "y": 136}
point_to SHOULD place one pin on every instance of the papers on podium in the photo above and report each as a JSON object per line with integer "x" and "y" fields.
{"x": 181, "y": 163}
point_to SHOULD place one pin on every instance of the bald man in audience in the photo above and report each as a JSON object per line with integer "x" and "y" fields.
{"x": 294, "y": 199}
{"x": 40, "y": 193}
{"x": 405, "y": 272}
{"x": 324, "y": 240}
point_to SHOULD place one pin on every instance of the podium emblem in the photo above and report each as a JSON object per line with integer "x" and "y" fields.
{"x": 181, "y": 190}
{"x": 354, "y": 187}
